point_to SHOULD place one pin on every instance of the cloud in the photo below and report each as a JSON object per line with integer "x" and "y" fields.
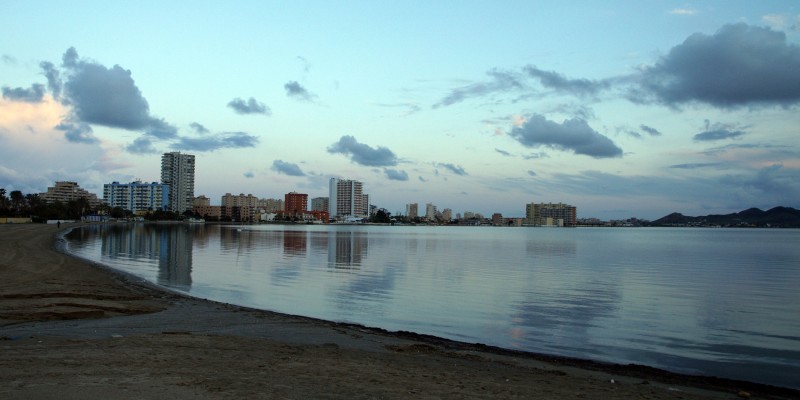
{"x": 216, "y": 142}
{"x": 411, "y": 108}
{"x": 8, "y": 60}
{"x": 421, "y": 179}
{"x": 531, "y": 173}
{"x": 556, "y": 81}
{"x": 142, "y": 145}
{"x": 717, "y": 134}
{"x": 34, "y": 94}
{"x": 363, "y": 154}
{"x": 573, "y": 134}
{"x": 77, "y": 132}
{"x": 251, "y": 106}
{"x": 536, "y": 156}
{"x": 286, "y": 168}
{"x": 199, "y": 128}
{"x": 694, "y": 165}
{"x": 53, "y": 78}
{"x": 500, "y": 81}
{"x": 456, "y": 169}
{"x": 503, "y": 152}
{"x": 249, "y": 174}
{"x": 296, "y": 91}
{"x": 650, "y": 130}
{"x": 395, "y": 175}
{"x": 736, "y": 66}
{"x": 98, "y": 95}
{"x": 683, "y": 11}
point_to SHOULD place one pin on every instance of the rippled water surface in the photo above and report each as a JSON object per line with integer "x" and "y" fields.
{"x": 719, "y": 302}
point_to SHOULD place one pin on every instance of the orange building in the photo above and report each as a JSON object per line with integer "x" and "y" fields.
{"x": 295, "y": 204}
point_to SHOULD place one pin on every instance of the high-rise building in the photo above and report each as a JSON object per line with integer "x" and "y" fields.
{"x": 549, "y": 214}
{"x": 296, "y": 203}
{"x": 346, "y": 199}
{"x": 430, "y": 212}
{"x": 177, "y": 171}
{"x": 412, "y": 210}
{"x": 137, "y": 196}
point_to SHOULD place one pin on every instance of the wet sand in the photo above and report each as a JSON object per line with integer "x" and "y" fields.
{"x": 70, "y": 329}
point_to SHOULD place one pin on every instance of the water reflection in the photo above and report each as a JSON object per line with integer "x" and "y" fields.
{"x": 683, "y": 300}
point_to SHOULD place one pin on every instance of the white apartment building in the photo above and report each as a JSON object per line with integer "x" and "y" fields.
{"x": 177, "y": 172}
{"x": 346, "y": 199}
{"x": 136, "y": 196}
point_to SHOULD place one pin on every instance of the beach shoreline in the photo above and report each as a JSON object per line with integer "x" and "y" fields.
{"x": 66, "y": 323}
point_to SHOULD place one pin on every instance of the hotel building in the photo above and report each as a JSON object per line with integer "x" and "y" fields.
{"x": 137, "y": 196}
{"x": 549, "y": 214}
{"x": 66, "y": 191}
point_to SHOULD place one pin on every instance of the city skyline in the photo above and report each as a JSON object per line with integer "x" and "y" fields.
{"x": 621, "y": 108}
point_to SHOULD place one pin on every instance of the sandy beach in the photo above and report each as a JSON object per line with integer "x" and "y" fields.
{"x": 73, "y": 330}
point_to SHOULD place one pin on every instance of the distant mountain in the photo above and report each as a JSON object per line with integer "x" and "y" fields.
{"x": 783, "y": 217}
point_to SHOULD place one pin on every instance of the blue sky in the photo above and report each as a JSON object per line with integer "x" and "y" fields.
{"x": 621, "y": 108}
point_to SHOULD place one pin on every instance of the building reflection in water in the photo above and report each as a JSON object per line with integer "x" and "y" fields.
{"x": 294, "y": 243}
{"x": 170, "y": 245}
{"x": 346, "y": 250}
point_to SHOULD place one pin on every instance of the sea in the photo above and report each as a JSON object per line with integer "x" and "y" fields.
{"x": 703, "y": 301}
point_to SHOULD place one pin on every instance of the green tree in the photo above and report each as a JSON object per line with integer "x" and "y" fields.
{"x": 381, "y": 216}
{"x": 17, "y": 202}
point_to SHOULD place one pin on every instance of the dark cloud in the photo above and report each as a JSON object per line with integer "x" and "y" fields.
{"x": 421, "y": 179}
{"x": 108, "y": 97}
{"x": 251, "y": 106}
{"x": 249, "y": 174}
{"x": 717, "y": 134}
{"x": 395, "y": 175}
{"x": 199, "y": 128}
{"x": 77, "y": 132}
{"x": 216, "y": 142}
{"x": 500, "y": 82}
{"x": 286, "y": 168}
{"x": 650, "y": 130}
{"x": 531, "y": 173}
{"x": 297, "y": 91}
{"x": 54, "y": 83}
{"x": 363, "y": 154}
{"x": 34, "y": 94}
{"x": 158, "y": 128}
{"x": 694, "y": 165}
{"x": 142, "y": 145}
{"x": 573, "y": 134}
{"x": 456, "y": 169}
{"x": 738, "y": 65}
{"x": 556, "y": 81}
{"x": 503, "y": 152}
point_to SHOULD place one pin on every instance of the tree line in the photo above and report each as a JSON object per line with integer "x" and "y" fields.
{"x": 18, "y": 205}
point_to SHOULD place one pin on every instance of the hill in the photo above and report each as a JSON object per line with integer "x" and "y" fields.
{"x": 778, "y": 217}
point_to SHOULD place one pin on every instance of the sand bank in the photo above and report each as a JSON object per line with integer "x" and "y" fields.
{"x": 73, "y": 330}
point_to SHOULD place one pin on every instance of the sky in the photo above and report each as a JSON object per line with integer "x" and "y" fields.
{"x": 620, "y": 108}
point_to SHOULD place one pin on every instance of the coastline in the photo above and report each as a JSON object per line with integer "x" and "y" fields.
{"x": 68, "y": 324}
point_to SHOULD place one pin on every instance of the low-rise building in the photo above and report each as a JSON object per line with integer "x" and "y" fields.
{"x": 66, "y": 191}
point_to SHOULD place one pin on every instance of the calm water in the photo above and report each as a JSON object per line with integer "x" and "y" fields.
{"x": 719, "y": 302}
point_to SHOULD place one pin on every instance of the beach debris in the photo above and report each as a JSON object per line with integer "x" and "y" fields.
{"x": 743, "y": 394}
{"x": 612, "y": 381}
{"x": 115, "y": 336}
